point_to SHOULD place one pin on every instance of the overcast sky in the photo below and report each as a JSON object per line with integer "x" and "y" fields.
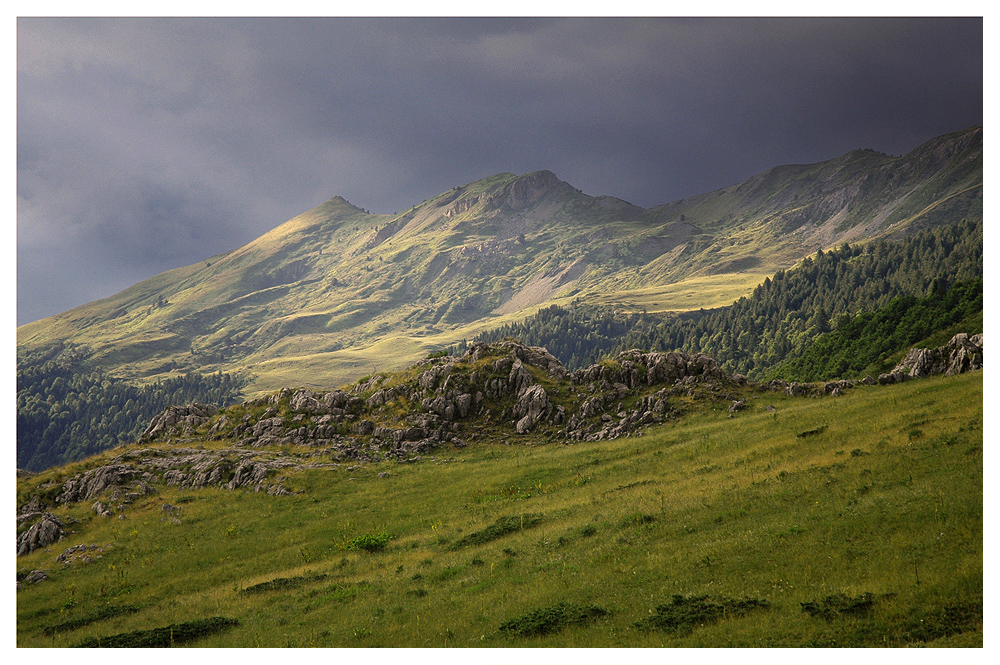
{"x": 148, "y": 144}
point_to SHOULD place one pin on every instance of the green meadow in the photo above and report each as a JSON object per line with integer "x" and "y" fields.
{"x": 848, "y": 521}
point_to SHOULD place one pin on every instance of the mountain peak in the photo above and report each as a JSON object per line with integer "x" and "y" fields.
{"x": 339, "y": 204}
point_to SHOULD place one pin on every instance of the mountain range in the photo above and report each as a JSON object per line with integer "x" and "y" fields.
{"x": 337, "y": 293}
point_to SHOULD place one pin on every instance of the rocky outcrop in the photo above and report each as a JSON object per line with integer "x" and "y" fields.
{"x": 32, "y": 577}
{"x": 178, "y": 421}
{"x": 963, "y": 353}
{"x": 635, "y": 368}
{"x": 495, "y": 390}
{"x": 502, "y": 385}
{"x": 42, "y": 533}
{"x": 124, "y": 478}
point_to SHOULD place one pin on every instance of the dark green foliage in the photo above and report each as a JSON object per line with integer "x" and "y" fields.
{"x": 914, "y": 625}
{"x": 369, "y": 542}
{"x": 866, "y": 340}
{"x": 839, "y": 604}
{"x": 684, "y": 614}
{"x": 552, "y": 619}
{"x": 501, "y": 527}
{"x": 104, "y": 613}
{"x": 66, "y": 412}
{"x": 783, "y": 316}
{"x": 177, "y": 633}
{"x": 944, "y": 621}
{"x": 282, "y": 583}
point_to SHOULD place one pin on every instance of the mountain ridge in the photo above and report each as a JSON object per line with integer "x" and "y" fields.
{"x": 336, "y": 283}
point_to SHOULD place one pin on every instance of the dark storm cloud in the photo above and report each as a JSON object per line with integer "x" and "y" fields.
{"x": 146, "y": 144}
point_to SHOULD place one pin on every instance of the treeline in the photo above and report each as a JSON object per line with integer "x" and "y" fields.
{"x": 782, "y": 317}
{"x": 866, "y": 343}
{"x": 65, "y": 413}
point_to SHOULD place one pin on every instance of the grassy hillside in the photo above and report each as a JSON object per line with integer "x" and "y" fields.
{"x": 854, "y": 520}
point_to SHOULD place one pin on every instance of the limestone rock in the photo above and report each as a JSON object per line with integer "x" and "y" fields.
{"x": 34, "y": 577}
{"x": 88, "y": 485}
{"x": 963, "y": 353}
{"x": 533, "y": 405}
{"x": 180, "y": 420}
{"x": 42, "y": 533}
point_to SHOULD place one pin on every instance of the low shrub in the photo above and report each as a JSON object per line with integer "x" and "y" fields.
{"x": 552, "y": 619}
{"x": 683, "y": 614}
{"x": 369, "y": 542}
{"x": 838, "y": 604}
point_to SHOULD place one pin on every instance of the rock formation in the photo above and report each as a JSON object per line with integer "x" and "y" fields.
{"x": 42, "y": 533}
{"x": 494, "y": 391}
{"x": 963, "y": 353}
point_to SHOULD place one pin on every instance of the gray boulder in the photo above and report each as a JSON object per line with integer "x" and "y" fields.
{"x": 963, "y": 353}
{"x": 531, "y": 407}
{"x": 180, "y": 420}
{"x": 42, "y": 533}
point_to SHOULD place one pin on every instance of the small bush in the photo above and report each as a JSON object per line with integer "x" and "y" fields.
{"x": 369, "y": 542}
{"x": 839, "y": 604}
{"x": 552, "y": 619}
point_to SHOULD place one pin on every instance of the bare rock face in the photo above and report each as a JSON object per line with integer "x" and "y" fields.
{"x": 533, "y": 406}
{"x": 42, "y": 533}
{"x": 963, "y": 353}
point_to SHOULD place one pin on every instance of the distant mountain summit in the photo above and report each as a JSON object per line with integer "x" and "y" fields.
{"x": 337, "y": 292}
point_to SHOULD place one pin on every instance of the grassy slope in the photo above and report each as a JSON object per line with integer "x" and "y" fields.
{"x": 886, "y": 499}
